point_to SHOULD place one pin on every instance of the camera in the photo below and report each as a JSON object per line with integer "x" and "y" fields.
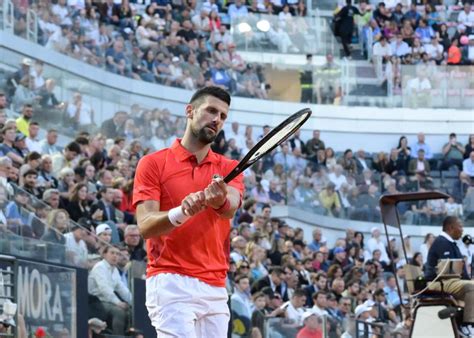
{"x": 467, "y": 239}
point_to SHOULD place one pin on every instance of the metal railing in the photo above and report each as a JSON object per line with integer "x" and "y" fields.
{"x": 7, "y": 16}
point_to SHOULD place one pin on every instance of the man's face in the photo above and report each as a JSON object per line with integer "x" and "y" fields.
{"x": 28, "y": 112}
{"x": 316, "y": 134}
{"x": 30, "y": 180}
{"x": 322, "y": 283}
{"x": 109, "y": 195}
{"x": 33, "y": 130}
{"x": 3, "y": 101}
{"x": 70, "y": 155}
{"x": 277, "y": 278}
{"x": 244, "y": 284}
{"x": 10, "y": 135}
{"x": 322, "y": 301}
{"x": 54, "y": 201}
{"x": 47, "y": 164}
{"x": 456, "y": 229}
{"x": 124, "y": 258}
{"x": 52, "y": 137}
{"x": 421, "y": 138}
{"x": 132, "y": 238}
{"x": 112, "y": 256}
{"x": 207, "y": 119}
{"x": 266, "y": 212}
{"x": 299, "y": 301}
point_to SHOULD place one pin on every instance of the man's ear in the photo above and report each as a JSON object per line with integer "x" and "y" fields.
{"x": 189, "y": 111}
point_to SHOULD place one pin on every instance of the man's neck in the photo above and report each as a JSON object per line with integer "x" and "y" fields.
{"x": 8, "y": 143}
{"x": 198, "y": 149}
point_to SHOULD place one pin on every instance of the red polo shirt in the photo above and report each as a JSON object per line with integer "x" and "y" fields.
{"x": 200, "y": 247}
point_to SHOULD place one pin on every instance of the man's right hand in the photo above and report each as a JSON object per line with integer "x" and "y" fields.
{"x": 194, "y": 203}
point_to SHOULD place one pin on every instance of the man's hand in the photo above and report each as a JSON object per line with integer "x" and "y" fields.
{"x": 216, "y": 193}
{"x": 123, "y": 305}
{"x": 194, "y": 203}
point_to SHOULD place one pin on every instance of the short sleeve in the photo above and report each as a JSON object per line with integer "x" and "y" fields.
{"x": 147, "y": 181}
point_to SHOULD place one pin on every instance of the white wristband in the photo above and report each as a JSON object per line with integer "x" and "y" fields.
{"x": 177, "y": 216}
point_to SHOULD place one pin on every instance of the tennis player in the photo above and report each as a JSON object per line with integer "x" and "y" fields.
{"x": 184, "y": 212}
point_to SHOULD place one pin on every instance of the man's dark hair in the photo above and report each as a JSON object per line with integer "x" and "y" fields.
{"x": 448, "y": 221}
{"x": 277, "y": 271}
{"x": 266, "y": 206}
{"x": 73, "y": 146}
{"x": 298, "y": 293}
{"x": 30, "y": 172}
{"x": 238, "y": 278}
{"x": 379, "y": 292}
{"x": 34, "y": 123}
{"x": 82, "y": 140}
{"x": 248, "y": 204}
{"x": 109, "y": 247}
{"x": 320, "y": 292}
{"x": 80, "y": 171}
{"x": 52, "y": 131}
{"x": 33, "y": 156}
{"x": 202, "y": 93}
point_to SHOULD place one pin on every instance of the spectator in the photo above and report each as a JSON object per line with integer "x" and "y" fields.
{"x": 399, "y": 47}
{"x": 312, "y": 326}
{"x": 58, "y": 223}
{"x": 382, "y": 51}
{"x": 29, "y": 183}
{"x": 375, "y": 243}
{"x": 419, "y": 168}
{"x": 110, "y": 299}
{"x": 8, "y": 146}
{"x": 295, "y": 307}
{"x": 45, "y": 178}
{"x": 273, "y": 280}
{"x": 76, "y": 249}
{"x": 466, "y": 17}
{"x": 468, "y": 52}
{"x": 48, "y": 145}
{"x": 81, "y": 114}
{"x": 435, "y": 50}
{"x": 237, "y": 9}
{"x": 78, "y": 206}
{"x": 314, "y": 144}
{"x": 241, "y": 305}
{"x": 345, "y": 25}
{"x": 65, "y": 160}
{"x": 134, "y": 243}
{"x": 23, "y": 122}
{"x": 453, "y": 152}
{"x": 330, "y": 200}
{"x": 32, "y": 141}
{"x": 328, "y": 83}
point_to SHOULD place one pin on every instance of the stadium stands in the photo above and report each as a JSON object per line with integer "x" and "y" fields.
{"x": 68, "y": 205}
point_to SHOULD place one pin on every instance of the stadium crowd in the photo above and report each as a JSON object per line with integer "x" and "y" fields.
{"x": 77, "y": 199}
{"x": 169, "y": 42}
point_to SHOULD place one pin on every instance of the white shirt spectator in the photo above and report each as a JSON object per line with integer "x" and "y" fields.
{"x": 237, "y": 11}
{"x": 453, "y": 209}
{"x": 78, "y": 250}
{"x": 380, "y": 50}
{"x": 466, "y": 19}
{"x": 374, "y": 244}
{"x": 400, "y": 49}
{"x": 434, "y": 51}
{"x": 337, "y": 180}
{"x": 467, "y": 251}
{"x": 34, "y": 145}
{"x": 468, "y": 167}
{"x": 85, "y": 114}
{"x": 104, "y": 281}
{"x": 207, "y": 6}
{"x": 295, "y": 314}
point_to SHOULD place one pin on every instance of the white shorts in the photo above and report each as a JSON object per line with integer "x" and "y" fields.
{"x": 185, "y": 307}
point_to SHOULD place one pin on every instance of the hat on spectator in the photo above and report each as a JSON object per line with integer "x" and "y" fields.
{"x": 102, "y": 228}
{"x": 19, "y": 137}
{"x": 128, "y": 30}
{"x": 175, "y": 59}
{"x": 307, "y": 314}
{"x": 338, "y": 250}
{"x": 392, "y": 238}
{"x": 373, "y": 230}
{"x": 26, "y": 62}
{"x": 360, "y": 309}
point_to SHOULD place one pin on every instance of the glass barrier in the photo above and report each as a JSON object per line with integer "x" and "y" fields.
{"x": 431, "y": 86}
{"x": 283, "y": 33}
{"x": 320, "y": 326}
{"x": 36, "y": 230}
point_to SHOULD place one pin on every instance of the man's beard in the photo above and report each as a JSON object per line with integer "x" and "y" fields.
{"x": 204, "y": 136}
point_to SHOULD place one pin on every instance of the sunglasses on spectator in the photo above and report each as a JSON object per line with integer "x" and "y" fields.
{"x": 346, "y": 304}
{"x": 244, "y": 266}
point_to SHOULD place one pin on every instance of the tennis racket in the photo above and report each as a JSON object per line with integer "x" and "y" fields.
{"x": 273, "y": 139}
